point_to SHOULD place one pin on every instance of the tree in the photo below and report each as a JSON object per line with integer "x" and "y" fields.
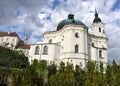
{"x": 52, "y": 68}
{"x": 26, "y": 35}
{"x": 91, "y": 74}
{"x": 79, "y": 74}
{"x": 64, "y": 76}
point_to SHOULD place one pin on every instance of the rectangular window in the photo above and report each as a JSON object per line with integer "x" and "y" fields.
{"x": 100, "y": 53}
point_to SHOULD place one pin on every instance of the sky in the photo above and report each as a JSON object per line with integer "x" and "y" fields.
{"x": 35, "y": 17}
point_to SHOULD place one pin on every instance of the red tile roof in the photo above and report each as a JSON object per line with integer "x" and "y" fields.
{"x": 9, "y": 34}
{"x": 3, "y": 33}
{"x": 24, "y": 47}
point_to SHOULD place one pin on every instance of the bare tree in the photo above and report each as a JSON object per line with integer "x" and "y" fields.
{"x": 26, "y": 35}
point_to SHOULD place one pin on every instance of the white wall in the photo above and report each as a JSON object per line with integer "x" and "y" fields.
{"x": 41, "y": 56}
{"x": 95, "y": 29}
{"x": 67, "y": 41}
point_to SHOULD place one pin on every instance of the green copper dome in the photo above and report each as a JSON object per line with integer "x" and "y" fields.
{"x": 68, "y": 21}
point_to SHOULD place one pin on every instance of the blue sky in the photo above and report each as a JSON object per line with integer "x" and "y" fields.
{"x": 116, "y": 5}
{"x": 39, "y": 16}
{"x": 55, "y": 3}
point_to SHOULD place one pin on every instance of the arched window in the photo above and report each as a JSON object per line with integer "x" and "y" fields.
{"x": 76, "y": 35}
{"x": 99, "y": 29}
{"x": 92, "y": 44}
{"x": 37, "y": 50}
{"x": 76, "y": 48}
{"x": 45, "y": 50}
{"x": 100, "y": 53}
{"x": 50, "y": 41}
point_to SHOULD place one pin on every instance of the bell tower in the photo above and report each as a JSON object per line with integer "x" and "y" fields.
{"x": 98, "y": 41}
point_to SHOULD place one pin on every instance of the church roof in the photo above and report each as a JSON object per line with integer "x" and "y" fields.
{"x": 68, "y": 21}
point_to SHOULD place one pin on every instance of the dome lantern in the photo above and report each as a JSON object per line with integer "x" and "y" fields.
{"x": 70, "y": 16}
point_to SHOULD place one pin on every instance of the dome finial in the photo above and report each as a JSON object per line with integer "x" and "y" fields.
{"x": 96, "y": 14}
{"x": 95, "y": 11}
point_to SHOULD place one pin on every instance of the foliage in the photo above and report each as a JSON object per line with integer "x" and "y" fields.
{"x": 10, "y": 58}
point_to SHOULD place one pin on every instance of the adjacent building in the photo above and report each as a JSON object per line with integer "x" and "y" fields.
{"x": 12, "y": 40}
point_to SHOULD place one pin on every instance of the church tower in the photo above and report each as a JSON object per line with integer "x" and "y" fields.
{"x": 98, "y": 40}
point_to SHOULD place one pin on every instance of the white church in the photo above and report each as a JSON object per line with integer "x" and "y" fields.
{"x": 71, "y": 42}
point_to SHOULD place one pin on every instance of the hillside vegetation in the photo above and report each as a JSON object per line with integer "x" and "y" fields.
{"x": 10, "y": 58}
{"x": 15, "y": 71}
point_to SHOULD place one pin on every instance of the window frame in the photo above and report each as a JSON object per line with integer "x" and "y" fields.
{"x": 76, "y": 48}
{"x": 100, "y": 53}
{"x": 50, "y": 41}
{"x": 37, "y": 49}
{"x": 93, "y": 44}
{"x": 76, "y": 35}
{"x": 99, "y": 29}
{"x": 45, "y": 50}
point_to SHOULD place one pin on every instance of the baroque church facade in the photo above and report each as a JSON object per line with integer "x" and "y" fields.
{"x": 72, "y": 42}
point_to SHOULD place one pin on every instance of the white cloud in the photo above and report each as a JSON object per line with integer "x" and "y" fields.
{"x": 34, "y": 15}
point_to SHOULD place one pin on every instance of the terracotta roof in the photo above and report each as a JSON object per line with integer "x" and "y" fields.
{"x": 9, "y": 34}
{"x": 24, "y": 47}
{"x": 3, "y": 33}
